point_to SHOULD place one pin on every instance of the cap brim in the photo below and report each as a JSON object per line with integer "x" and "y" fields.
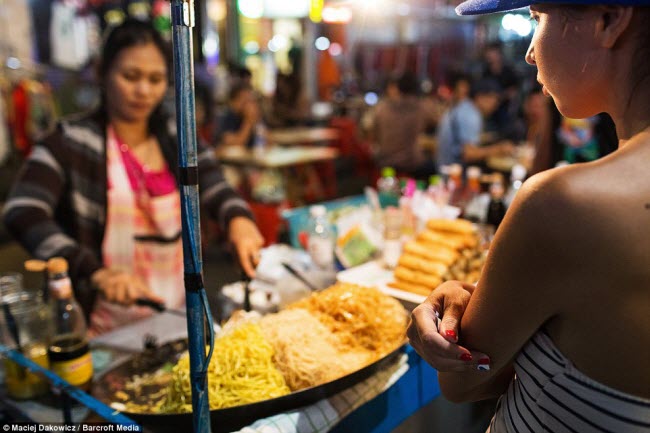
{"x": 478, "y": 7}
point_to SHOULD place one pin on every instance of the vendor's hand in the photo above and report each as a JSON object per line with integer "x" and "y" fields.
{"x": 122, "y": 287}
{"x": 248, "y": 241}
{"x": 436, "y": 339}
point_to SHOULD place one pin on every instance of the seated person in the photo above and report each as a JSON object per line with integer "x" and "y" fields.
{"x": 236, "y": 125}
{"x": 460, "y": 129}
{"x": 289, "y": 106}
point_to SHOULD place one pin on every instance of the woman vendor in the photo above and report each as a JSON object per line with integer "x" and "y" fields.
{"x": 102, "y": 190}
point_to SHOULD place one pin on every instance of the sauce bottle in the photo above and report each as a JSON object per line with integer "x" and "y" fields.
{"x": 68, "y": 350}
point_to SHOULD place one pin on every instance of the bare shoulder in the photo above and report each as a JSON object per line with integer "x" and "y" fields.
{"x": 552, "y": 201}
{"x": 597, "y": 210}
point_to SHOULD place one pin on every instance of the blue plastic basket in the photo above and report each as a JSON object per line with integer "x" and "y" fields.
{"x": 298, "y": 218}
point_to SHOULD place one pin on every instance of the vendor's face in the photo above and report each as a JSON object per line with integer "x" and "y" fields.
{"x": 567, "y": 58}
{"x": 136, "y": 83}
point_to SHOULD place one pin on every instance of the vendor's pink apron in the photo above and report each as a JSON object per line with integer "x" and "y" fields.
{"x": 142, "y": 236}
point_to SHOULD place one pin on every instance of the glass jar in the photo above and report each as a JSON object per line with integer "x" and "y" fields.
{"x": 32, "y": 319}
{"x": 10, "y": 283}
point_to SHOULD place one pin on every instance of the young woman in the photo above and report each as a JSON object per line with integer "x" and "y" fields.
{"x": 562, "y": 307}
{"x": 102, "y": 189}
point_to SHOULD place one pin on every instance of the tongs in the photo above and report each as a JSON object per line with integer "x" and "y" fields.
{"x": 247, "y": 291}
{"x": 158, "y": 306}
{"x": 293, "y": 271}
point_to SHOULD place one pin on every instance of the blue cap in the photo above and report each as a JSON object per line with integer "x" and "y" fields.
{"x": 478, "y": 7}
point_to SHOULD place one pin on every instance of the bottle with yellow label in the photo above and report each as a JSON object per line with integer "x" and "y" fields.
{"x": 68, "y": 350}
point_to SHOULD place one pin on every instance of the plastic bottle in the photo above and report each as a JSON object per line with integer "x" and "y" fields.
{"x": 496, "y": 208}
{"x": 517, "y": 177}
{"x": 437, "y": 191}
{"x": 68, "y": 349}
{"x": 474, "y": 208}
{"x": 320, "y": 243}
{"x": 392, "y": 237}
{"x": 388, "y": 188}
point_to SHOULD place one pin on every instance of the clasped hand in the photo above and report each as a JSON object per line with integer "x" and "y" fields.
{"x": 436, "y": 338}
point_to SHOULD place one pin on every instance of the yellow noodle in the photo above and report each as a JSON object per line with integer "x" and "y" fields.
{"x": 316, "y": 340}
{"x": 241, "y": 371}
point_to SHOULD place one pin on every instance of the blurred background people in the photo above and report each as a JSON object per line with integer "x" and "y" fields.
{"x": 288, "y": 104}
{"x": 496, "y": 68}
{"x": 559, "y": 140}
{"x": 460, "y": 129}
{"x": 398, "y": 121}
{"x": 237, "y": 123}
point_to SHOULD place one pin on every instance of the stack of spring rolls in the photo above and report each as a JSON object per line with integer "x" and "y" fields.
{"x": 445, "y": 250}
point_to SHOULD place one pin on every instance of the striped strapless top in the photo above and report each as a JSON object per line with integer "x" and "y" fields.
{"x": 548, "y": 394}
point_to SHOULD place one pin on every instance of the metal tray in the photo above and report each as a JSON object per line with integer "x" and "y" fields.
{"x": 222, "y": 420}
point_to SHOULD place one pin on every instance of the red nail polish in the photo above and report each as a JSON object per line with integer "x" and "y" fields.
{"x": 466, "y": 357}
{"x": 451, "y": 333}
{"x": 484, "y": 360}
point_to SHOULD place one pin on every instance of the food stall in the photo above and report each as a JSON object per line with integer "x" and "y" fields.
{"x": 332, "y": 360}
{"x": 142, "y": 371}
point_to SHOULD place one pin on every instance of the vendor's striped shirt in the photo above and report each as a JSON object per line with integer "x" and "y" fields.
{"x": 57, "y": 205}
{"x": 549, "y": 394}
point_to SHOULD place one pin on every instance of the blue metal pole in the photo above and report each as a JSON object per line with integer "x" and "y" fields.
{"x": 182, "y": 23}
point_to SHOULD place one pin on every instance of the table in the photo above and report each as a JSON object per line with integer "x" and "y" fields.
{"x": 302, "y": 135}
{"x": 276, "y": 157}
{"x": 523, "y": 155}
{"x": 306, "y": 175}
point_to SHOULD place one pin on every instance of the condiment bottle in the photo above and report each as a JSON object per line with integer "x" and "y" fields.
{"x": 455, "y": 184}
{"x": 388, "y": 188}
{"x": 472, "y": 207}
{"x": 68, "y": 350}
{"x": 496, "y": 208}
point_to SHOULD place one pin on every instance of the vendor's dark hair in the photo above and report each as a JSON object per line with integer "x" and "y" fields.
{"x": 129, "y": 34}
